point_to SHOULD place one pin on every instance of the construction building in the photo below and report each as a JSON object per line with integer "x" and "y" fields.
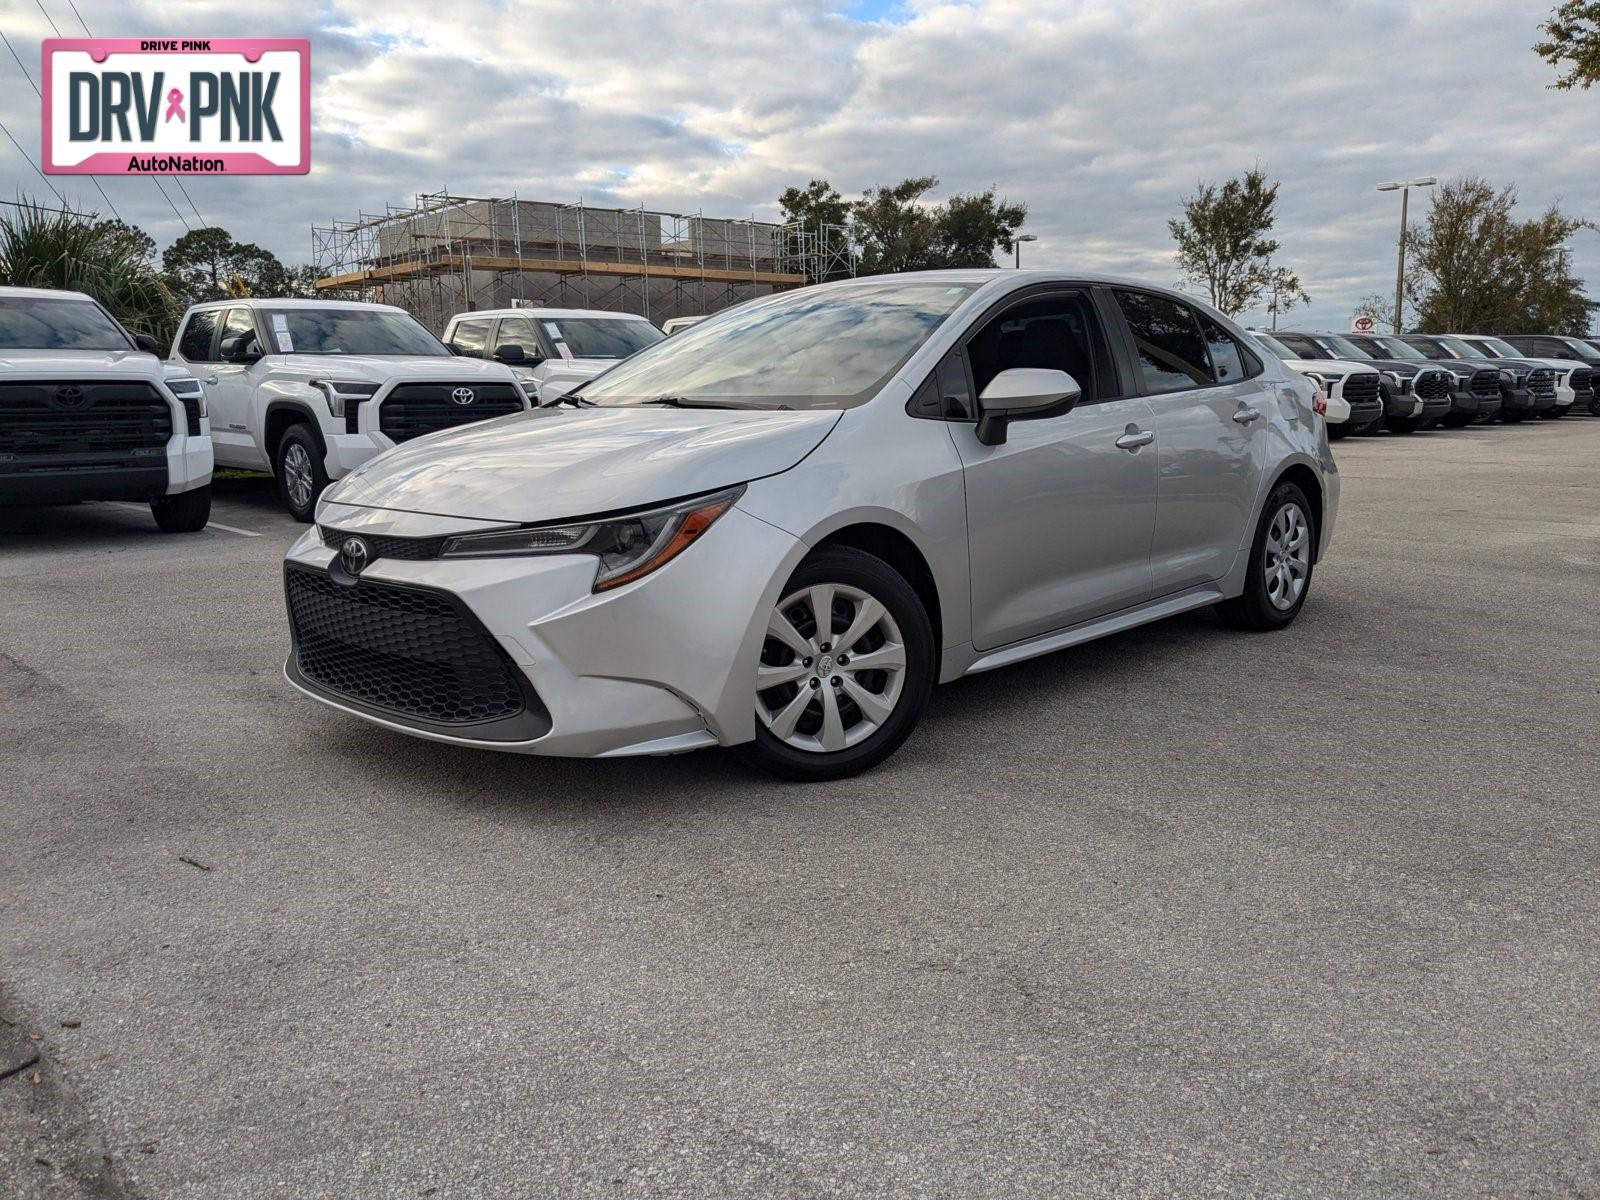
{"x": 448, "y": 254}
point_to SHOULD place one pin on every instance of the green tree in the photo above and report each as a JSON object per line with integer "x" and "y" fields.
{"x": 1223, "y": 243}
{"x": 969, "y": 227}
{"x": 48, "y": 248}
{"x": 818, "y": 235}
{"x": 1477, "y": 268}
{"x": 136, "y": 241}
{"x": 1572, "y": 41}
{"x": 207, "y": 264}
{"x": 894, "y": 230}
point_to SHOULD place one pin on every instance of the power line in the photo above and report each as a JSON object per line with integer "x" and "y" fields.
{"x": 40, "y": 3}
{"x": 32, "y": 164}
{"x": 79, "y": 15}
{"x": 179, "y": 181}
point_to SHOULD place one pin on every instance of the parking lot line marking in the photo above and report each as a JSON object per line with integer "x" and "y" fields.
{"x": 209, "y": 524}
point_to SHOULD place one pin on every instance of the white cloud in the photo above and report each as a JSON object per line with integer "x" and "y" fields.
{"x": 1099, "y": 113}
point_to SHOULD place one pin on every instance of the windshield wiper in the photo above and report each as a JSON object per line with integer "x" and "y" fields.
{"x": 573, "y": 399}
{"x": 685, "y": 402}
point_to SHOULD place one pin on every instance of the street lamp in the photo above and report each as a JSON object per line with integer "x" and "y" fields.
{"x": 1016, "y": 244}
{"x": 1404, "y": 188}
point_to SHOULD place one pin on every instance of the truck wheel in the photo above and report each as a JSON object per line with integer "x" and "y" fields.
{"x": 1402, "y": 424}
{"x": 1551, "y": 414}
{"x": 1338, "y": 430}
{"x": 1594, "y": 406}
{"x": 300, "y": 473}
{"x": 1511, "y": 416}
{"x": 187, "y": 512}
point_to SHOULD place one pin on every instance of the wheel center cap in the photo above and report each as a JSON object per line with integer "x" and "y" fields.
{"x": 824, "y": 666}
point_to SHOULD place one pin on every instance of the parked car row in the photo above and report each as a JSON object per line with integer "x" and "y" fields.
{"x": 1454, "y": 380}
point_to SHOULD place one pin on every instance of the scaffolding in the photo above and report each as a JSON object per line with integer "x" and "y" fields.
{"x": 449, "y": 253}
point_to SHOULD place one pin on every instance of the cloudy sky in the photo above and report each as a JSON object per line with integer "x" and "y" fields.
{"x": 1099, "y": 114}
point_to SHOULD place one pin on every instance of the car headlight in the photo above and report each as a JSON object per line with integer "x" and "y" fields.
{"x": 629, "y": 546}
{"x": 186, "y": 388}
{"x": 340, "y": 392}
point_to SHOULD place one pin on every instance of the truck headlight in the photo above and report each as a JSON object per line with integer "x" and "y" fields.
{"x": 629, "y": 546}
{"x": 187, "y": 389}
{"x": 340, "y": 392}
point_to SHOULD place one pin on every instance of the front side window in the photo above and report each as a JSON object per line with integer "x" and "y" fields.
{"x": 239, "y": 335}
{"x": 1172, "y": 354}
{"x": 195, "y": 344}
{"x": 31, "y": 324}
{"x": 1056, "y": 332}
{"x": 597, "y": 337}
{"x": 815, "y": 348}
{"x": 351, "y": 331}
{"x": 516, "y": 331}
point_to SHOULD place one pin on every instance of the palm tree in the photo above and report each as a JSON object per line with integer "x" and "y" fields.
{"x": 52, "y": 248}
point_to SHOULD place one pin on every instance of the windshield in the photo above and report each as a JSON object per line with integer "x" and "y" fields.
{"x": 27, "y": 323}
{"x": 1342, "y": 347}
{"x": 349, "y": 331}
{"x": 1388, "y": 347}
{"x": 827, "y": 347}
{"x": 596, "y": 337}
{"x": 1580, "y": 349}
{"x": 1273, "y": 346}
{"x": 1495, "y": 348}
{"x": 1461, "y": 349}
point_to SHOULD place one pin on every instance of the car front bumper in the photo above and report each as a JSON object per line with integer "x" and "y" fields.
{"x": 665, "y": 664}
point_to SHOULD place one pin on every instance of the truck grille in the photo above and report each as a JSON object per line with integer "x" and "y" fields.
{"x": 1542, "y": 382}
{"x": 63, "y": 417}
{"x": 413, "y": 652}
{"x": 1361, "y": 387}
{"x": 1582, "y": 379}
{"x": 1433, "y": 385}
{"x": 413, "y": 409}
{"x": 1486, "y": 384}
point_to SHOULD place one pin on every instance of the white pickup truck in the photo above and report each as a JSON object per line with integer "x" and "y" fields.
{"x": 553, "y": 349}
{"x": 312, "y": 389}
{"x": 88, "y": 412}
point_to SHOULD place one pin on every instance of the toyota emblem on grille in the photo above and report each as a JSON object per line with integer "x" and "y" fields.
{"x": 353, "y": 555}
{"x": 463, "y": 395}
{"x": 70, "y": 396}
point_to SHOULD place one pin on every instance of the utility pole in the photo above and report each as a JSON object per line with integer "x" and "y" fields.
{"x": 1404, "y": 188}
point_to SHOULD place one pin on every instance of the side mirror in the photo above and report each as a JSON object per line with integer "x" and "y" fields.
{"x": 147, "y": 343}
{"x": 509, "y": 353}
{"x": 234, "y": 351}
{"x": 1023, "y": 394}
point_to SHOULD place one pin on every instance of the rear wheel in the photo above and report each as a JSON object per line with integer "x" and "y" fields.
{"x": 187, "y": 512}
{"x": 845, "y": 671}
{"x": 301, "y": 476}
{"x": 1279, "y": 576}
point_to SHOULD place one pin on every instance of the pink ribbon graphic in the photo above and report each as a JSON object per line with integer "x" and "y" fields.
{"x": 175, "y": 105}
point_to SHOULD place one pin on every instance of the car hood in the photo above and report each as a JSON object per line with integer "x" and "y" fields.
{"x": 1330, "y": 365}
{"x": 361, "y": 368}
{"x": 81, "y": 364}
{"x": 555, "y": 463}
{"x": 1403, "y": 367}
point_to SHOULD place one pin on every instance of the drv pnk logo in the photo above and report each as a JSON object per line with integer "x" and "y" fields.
{"x": 212, "y": 106}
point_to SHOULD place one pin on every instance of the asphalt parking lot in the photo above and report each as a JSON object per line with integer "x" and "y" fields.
{"x": 1184, "y": 912}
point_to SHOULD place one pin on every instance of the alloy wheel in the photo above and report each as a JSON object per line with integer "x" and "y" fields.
{"x": 297, "y": 475}
{"x": 833, "y": 667}
{"x": 1286, "y": 565}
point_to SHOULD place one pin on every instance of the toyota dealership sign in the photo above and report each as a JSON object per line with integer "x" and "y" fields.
{"x": 213, "y": 106}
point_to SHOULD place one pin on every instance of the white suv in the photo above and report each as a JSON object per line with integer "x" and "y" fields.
{"x": 88, "y": 412}
{"x": 312, "y": 389}
{"x": 553, "y": 349}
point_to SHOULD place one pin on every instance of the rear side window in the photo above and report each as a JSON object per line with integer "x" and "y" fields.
{"x": 1058, "y": 332}
{"x": 195, "y": 345}
{"x": 1172, "y": 354}
{"x": 1230, "y": 362}
{"x": 472, "y": 337}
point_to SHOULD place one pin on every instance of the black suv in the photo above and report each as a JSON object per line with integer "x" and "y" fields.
{"x": 1473, "y": 386}
{"x": 1581, "y": 380}
{"x": 1407, "y": 380}
{"x": 1529, "y": 388}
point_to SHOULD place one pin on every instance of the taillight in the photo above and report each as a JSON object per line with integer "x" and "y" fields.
{"x": 1319, "y": 404}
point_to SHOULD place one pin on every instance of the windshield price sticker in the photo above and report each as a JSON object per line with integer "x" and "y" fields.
{"x": 214, "y": 106}
{"x": 564, "y": 350}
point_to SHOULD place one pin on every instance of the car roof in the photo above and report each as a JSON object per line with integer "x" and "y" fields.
{"x": 550, "y": 312}
{"x": 260, "y": 301}
{"x": 45, "y": 294}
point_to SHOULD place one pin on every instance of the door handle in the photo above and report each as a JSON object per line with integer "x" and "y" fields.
{"x": 1135, "y": 437}
{"x": 1246, "y": 414}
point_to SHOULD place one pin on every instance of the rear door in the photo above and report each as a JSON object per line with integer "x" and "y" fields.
{"x": 1211, "y": 414}
{"x": 1059, "y": 518}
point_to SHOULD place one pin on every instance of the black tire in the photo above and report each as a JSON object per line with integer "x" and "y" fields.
{"x": 186, "y": 512}
{"x": 842, "y": 565}
{"x": 1457, "y": 420}
{"x": 1402, "y": 424}
{"x": 1594, "y": 406}
{"x": 1339, "y": 431}
{"x": 1556, "y": 413}
{"x": 1254, "y": 609}
{"x": 1512, "y": 416}
{"x": 287, "y": 468}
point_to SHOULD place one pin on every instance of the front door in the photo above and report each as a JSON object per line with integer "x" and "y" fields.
{"x": 230, "y": 387}
{"x": 1059, "y": 518}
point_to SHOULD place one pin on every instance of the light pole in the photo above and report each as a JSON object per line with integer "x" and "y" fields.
{"x": 1016, "y": 244}
{"x": 1404, "y": 188}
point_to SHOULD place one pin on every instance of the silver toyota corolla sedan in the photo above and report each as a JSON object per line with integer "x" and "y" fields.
{"x": 778, "y": 529}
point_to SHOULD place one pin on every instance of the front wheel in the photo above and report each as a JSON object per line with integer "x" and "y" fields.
{"x": 1402, "y": 424}
{"x": 1552, "y": 414}
{"x": 1279, "y": 575}
{"x": 845, "y": 671}
{"x": 1594, "y": 406}
{"x": 187, "y": 512}
{"x": 301, "y": 475}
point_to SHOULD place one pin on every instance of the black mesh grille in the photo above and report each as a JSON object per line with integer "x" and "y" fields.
{"x": 413, "y": 409}
{"x": 1433, "y": 385}
{"x": 411, "y": 549}
{"x": 1486, "y": 383}
{"x": 1582, "y": 379}
{"x": 409, "y": 651}
{"x": 63, "y": 417}
{"x": 1542, "y": 382}
{"x": 1360, "y": 388}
